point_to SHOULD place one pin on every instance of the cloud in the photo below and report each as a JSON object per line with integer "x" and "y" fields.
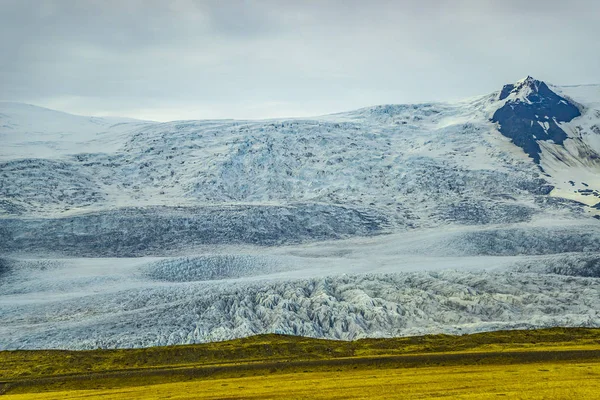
{"x": 264, "y": 58}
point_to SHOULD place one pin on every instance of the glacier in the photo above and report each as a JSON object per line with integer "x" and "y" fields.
{"x": 385, "y": 221}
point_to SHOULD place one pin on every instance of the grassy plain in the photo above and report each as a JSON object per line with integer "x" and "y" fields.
{"x": 543, "y": 364}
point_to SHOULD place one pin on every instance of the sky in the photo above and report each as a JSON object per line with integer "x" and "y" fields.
{"x": 185, "y": 59}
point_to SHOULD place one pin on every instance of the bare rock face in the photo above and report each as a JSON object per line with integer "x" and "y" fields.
{"x": 533, "y": 112}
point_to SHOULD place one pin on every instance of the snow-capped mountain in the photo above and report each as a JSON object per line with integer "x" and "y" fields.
{"x": 551, "y": 129}
{"x": 388, "y": 220}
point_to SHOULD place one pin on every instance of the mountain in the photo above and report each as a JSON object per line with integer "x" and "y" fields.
{"x": 383, "y": 221}
{"x": 551, "y": 129}
{"x": 532, "y": 112}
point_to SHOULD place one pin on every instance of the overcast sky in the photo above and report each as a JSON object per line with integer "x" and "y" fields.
{"x": 187, "y": 59}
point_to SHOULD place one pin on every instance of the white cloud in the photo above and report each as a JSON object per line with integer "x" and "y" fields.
{"x": 181, "y": 59}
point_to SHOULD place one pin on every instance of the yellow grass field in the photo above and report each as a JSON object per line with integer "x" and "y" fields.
{"x": 536, "y": 381}
{"x": 544, "y": 364}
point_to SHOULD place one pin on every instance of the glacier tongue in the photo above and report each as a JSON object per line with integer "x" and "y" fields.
{"x": 450, "y": 281}
{"x": 339, "y": 307}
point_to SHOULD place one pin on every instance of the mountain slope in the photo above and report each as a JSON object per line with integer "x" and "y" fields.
{"x": 420, "y": 165}
{"x": 31, "y": 131}
{"x": 575, "y": 166}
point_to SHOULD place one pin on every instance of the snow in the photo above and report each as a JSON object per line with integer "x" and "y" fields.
{"x": 384, "y": 221}
{"x": 28, "y": 131}
{"x": 587, "y": 95}
{"x": 370, "y": 157}
{"x": 544, "y": 125}
{"x": 521, "y": 91}
{"x": 576, "y": 161}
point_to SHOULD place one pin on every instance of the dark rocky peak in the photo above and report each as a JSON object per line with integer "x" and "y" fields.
{"x": 528, "y": 83}
{"x": 531, "y": 113}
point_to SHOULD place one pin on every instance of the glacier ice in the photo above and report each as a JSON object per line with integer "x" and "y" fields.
{"x": 385, "y": 221}
{"x": 338, "y": 307}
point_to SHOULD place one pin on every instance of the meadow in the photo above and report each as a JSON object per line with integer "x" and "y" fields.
{"x": 556, "y": 363}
